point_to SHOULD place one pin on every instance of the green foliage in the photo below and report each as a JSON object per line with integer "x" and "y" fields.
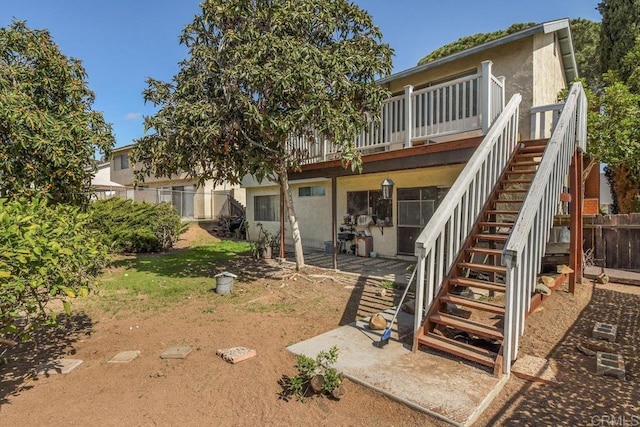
{"x": 586, "y": 43}
{"x": 46, "y": 253}
{"x": 48, "y": 132}
{"x": 619, "y": 30}
{"x": 257, "y": 73}
{"x": 299, "y": 386}
{"x": 130, "y": 226}
{"x": 468, "y": 42}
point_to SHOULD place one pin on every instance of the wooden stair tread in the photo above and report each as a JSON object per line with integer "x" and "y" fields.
{"x": 523, "y": 164}
{"x": 460, "y": 349}
{"x": 494, "y": 237}
{"x": 496, "y": 224}
{"x": 501, "y": 212}
{"x": 478, "y": 305}
{"x": 532, "y": 149}
{"x": 516, "y": 181}
{"x": 485, "y": 251}
{"x": 475, "y": 283}
{"x": 483, "y": 267}
{"x": 522, "y": 172}
{"x": 512, "y": 190}
{"x": 473, "y": 328}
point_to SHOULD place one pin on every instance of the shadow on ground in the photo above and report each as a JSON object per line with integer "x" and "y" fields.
{"x": 583, "y": 397}
{"x": 19, "y": 369}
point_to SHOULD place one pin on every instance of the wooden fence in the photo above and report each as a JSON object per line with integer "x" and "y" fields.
{"x": 613, "y": 241}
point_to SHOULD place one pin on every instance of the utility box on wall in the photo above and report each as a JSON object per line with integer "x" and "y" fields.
{"x": 364, "y": 245}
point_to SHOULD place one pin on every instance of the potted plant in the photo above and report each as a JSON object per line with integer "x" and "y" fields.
{"x": 267, "y": 241}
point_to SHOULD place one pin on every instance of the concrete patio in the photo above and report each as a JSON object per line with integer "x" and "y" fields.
{"x": 437, "y": 385}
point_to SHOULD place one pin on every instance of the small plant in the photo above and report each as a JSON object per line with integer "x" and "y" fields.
{"x": 315, "y": 376}
{"x": 267, "y": 242}
{"x": 387, "y": 284}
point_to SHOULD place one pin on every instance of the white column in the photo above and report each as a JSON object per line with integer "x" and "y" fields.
{"x": 419, "y": 301}
{"x": 486, "y": 96}
{"x": 408, "y": 116}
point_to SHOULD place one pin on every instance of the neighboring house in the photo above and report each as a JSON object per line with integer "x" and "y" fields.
{"x": 101, "y": 183}
{"x": 192, "y": 201}
{"x": 453, "y": 102}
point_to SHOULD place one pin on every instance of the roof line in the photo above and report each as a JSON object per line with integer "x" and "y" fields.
{"x": 545, "y": 27}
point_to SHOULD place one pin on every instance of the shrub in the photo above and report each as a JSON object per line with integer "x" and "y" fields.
{"x": 46, "y": 253}
{"x": 314, "y": 376}
{"x": 130, "y": 226}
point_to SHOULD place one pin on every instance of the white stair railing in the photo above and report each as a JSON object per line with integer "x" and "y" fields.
{"x": 523, "y": 251}
{"x": 444, "y": 235}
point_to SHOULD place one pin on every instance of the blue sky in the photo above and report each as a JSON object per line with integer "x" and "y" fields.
{"x": 122, "y": 42}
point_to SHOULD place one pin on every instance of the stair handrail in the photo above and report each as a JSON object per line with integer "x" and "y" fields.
{"x": 452, "y": 221}
{"x": 523, "y": 251}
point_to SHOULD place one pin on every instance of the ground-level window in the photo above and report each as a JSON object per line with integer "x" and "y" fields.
{"x": 316, "y": 190}
{"x": 266, "y": 208}
{"x": 370, "y": 203}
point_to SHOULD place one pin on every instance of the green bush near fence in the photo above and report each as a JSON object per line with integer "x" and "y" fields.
{"x": 128, "y": 226}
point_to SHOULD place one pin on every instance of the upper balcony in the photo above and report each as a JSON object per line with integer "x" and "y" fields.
{"x": 463, "y": 106}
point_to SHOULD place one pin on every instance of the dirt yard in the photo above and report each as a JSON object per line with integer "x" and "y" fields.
{"x": 268, "y": 313}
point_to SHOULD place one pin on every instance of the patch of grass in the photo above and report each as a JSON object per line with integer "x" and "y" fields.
{"x": 158, "y": 279}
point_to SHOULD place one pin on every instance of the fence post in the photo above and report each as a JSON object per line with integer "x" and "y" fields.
{"x": 486, "y": 95}
{"x": 408, "y": 118}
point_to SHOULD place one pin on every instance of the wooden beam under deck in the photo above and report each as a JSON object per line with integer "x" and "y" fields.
{"x": 444, "y": 153}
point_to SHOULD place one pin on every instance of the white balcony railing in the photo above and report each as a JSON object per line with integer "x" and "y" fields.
{"x": 544, "y": 120}
{"x": 465, "y": 104}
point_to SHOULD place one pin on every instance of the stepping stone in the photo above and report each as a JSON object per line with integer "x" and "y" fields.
{"x": 125, "y": 356}
{"x": 534, "y": 369}
{"x": 605, "y": 331}
{"x": 58, "y": 366}
{"x": 610, "y": 364}
{"x": 236, "y": 354}
{"x": 175, "y": 353}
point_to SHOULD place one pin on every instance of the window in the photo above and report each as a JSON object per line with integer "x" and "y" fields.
{"x": 121, "y": 162}
{"x": 370, "y": 203}
{"x": 317, "y": 190}
{"x": 266, "y": 208}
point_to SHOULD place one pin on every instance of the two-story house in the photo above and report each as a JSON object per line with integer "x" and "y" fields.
{"x": 192, "y": 201}
{"x": 465, "y": 174}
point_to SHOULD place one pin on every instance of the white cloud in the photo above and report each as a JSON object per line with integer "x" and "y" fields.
{"x": 133, "y": 116}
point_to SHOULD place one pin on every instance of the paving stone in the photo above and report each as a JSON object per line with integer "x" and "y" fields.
{"x": 535, "y": 369}
{"x": 605, "y": 331}
{"x": 175, "y": 353}
{"x": 610, "y": 364}
{"x": 58, "y": 366}
{"x": 236, "y": 354}
{"x": 125, "y": 356}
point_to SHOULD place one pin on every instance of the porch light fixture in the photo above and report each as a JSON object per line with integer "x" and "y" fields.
{"x": 387, "y": 189}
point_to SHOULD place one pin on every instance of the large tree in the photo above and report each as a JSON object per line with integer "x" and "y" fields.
{"x": 259, "y": 72}
{"x": 618, "y": 136}
{"x": 48, "y": 132}
{"x": 620, "y": 27}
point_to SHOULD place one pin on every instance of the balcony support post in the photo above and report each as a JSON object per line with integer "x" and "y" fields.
{"x": 486, "y": 96}
{"x": 408, "y": 116}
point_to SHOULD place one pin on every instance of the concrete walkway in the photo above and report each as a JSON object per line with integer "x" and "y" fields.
{"x": 444, "y": 388}
{"x": 616, "y": 276}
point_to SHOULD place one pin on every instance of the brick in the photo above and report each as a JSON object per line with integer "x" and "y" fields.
{"x": 605, "y": 331}
{"x": 610, "y": 364}
{"x": 236, "y": 354}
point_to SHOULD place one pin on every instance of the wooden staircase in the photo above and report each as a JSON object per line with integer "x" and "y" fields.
{"x": 466, "y": 317}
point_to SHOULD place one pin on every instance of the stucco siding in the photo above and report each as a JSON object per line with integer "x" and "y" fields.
{"x": 548, "y": 75}
{"x": 513, "y": 60}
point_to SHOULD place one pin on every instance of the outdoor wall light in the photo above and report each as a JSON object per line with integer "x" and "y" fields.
{"x": 387, "y": 189}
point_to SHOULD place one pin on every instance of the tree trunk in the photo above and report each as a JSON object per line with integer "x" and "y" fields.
{"x": 283, "y": 177}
